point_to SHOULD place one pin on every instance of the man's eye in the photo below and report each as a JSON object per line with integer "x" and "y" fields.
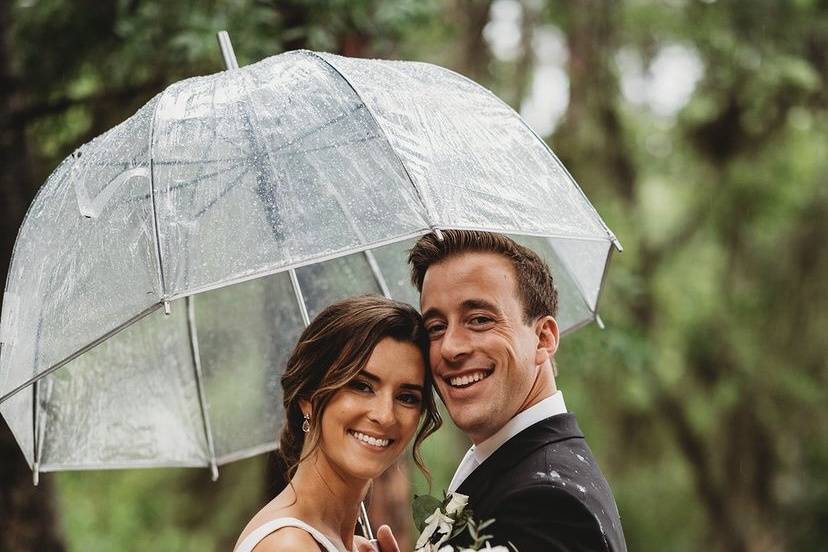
{"x": 436, "y": 329}
{"x": 478, "y": 320}
{"x": 359, "y": 385}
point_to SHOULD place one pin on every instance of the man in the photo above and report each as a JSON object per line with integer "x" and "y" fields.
{"x": 489, "y": 307}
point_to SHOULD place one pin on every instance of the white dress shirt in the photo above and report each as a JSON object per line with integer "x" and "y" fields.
{"x": 550, "y": 406}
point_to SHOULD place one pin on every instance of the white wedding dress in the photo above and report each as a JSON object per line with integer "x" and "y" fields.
{"x": 254, "y": 538}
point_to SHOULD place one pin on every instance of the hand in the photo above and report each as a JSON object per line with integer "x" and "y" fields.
{"x": 385, "y": 542}
{"x": 361, "y": 544}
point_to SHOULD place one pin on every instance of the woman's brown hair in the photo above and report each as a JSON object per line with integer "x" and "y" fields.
{"x": 333, "y": 349}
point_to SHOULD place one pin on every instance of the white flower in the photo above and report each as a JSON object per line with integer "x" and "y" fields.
{"x": 436, "y": 522}
{"x": 443, "y": 522}
{"x": 431, "y": 547}
{"x": 457, "y": 503}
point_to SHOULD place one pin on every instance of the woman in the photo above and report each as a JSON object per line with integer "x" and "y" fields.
{"x": 355, "y": 390}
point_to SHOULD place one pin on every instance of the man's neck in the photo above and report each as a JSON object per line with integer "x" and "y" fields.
{"x": 542, "y": 388}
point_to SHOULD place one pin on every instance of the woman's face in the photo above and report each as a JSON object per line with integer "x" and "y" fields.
{"x": 368, "y": 423}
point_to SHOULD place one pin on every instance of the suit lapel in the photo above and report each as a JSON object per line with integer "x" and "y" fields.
{"x": 551, "y": 430}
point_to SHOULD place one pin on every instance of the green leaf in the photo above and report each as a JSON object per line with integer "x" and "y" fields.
{"x": 422, "y": 507}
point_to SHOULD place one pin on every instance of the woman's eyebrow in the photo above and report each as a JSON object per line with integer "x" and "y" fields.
{"x": 368, "y": 375}
{"x": 373, "y": 377}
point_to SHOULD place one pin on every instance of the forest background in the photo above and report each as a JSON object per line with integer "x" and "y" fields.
{"x": 698, "y": 130}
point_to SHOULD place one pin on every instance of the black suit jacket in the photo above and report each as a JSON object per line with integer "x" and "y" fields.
{"x": 546, "y": 493}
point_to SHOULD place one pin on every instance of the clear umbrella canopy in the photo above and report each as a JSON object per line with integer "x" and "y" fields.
{"x": 165, "y": 269}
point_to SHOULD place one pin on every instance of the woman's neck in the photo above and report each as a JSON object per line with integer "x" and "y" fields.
{"x": 332, "y": 497}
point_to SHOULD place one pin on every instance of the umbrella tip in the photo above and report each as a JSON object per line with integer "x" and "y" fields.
{"x": 599, "y": 321}
{"x": 214, "y": 471}
{"x": 227, "y": 52}
{"x": 438, "y": 233}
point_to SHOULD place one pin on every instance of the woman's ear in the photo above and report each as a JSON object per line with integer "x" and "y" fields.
{"x": 546, "y": 328}
{"x": 305, "y": 407}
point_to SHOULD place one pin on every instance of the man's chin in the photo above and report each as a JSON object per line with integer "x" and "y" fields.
{"x": 468, "y": 422}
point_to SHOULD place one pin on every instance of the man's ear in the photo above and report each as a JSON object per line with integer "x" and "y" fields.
{"x": 546, "y": 328}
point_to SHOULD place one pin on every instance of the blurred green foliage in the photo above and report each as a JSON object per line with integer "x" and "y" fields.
{"x": 704, "y": 399}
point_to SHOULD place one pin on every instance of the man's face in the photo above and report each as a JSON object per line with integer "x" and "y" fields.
{"x": 485, "y": 359}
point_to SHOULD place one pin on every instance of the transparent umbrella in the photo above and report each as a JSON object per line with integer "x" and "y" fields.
{"x": 165, "y": 269}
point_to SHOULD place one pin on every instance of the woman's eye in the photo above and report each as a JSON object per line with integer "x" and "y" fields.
{"x": 410, "y": 399}
{"x": 359, "y": 386}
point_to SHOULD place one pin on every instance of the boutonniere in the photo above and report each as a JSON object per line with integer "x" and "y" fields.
{"x": 447, "y": 525}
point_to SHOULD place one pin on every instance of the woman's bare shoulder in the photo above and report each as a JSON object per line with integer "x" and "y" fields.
{"x": 287, "y": 539}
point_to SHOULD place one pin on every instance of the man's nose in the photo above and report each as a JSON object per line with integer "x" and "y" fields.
{"x": 454, "y": 344}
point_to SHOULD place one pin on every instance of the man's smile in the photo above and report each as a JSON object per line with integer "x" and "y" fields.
{"x": 461, "y": 381}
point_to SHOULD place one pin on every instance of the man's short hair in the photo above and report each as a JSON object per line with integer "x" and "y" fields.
{"x": 535, "y": 286}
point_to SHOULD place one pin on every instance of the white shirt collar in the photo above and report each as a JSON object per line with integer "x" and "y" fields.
{"x": 550, "y": 406}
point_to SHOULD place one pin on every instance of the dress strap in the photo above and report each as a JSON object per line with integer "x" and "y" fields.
{"x": 255, "y": 537}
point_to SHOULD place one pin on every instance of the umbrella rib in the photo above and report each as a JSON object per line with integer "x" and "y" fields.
{"x": 40, "y": 429}
{"x": 158, "y": 255}
{"x": 601, "y": 288}
{"x": 613, "y": 239}
{"x": 152, "y": 308}
{"x": 575, "y": 280}
{"x": 312, "y": 131}
{"x": 372, "y": 262}
{"x": 223, "y": 193}
{"x": 180, "y": 185}
{"x": 429, "y": 215}
{"x": 375, "y": 270}
{"x": 199, "y": 377}
{"x": 300, "y": 299}
{"x": 177, "y": 162}
{"x": 35, "y": 447}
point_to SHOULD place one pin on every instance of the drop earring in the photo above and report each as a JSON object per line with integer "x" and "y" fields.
{"x": 306, "y": 423}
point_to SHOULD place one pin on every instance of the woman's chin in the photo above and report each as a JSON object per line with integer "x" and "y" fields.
{"x": 366, "y": 470}
{"x": 362, "y": 467}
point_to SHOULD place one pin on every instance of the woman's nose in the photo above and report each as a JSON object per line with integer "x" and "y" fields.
{"x": 382, "y": 410}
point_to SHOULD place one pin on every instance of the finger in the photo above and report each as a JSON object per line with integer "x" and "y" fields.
{"x": 361, "y": 544}
{"x": 386, "y": 539}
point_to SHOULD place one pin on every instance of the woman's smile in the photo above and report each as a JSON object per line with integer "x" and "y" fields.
{"x": 372, "y": 442}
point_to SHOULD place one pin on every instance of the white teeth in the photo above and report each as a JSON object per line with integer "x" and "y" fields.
{"x": 465, "y": 380}
{"x": 371, "y": 440}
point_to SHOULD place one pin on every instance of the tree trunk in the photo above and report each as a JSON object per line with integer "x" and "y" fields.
{"x": 27, "y": 517}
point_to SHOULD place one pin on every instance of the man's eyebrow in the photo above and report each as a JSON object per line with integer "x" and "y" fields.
{"x": 413, "y": 386}
{"x": 433, "y": 312}
{"x": 468, "y": 304}
{"x": 471, "y": 304}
